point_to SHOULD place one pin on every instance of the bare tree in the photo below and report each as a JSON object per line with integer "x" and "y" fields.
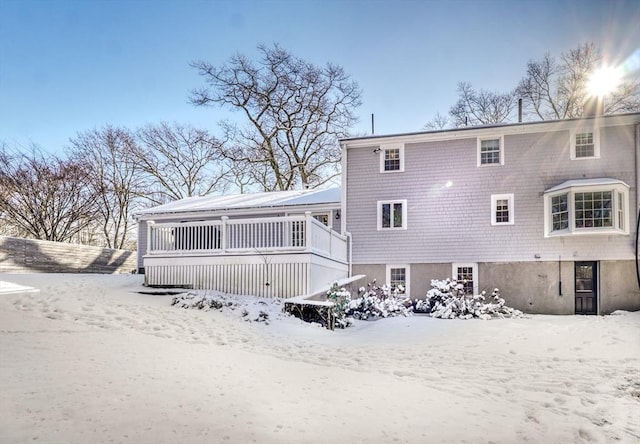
{"x": 116, "y": 177}
{"x": 557, "y": 89}
{"x": 45, "y": 197}
{"x": 181, "y": 161}
{"x": 481, "y": 107}
{"x": 295, "y": 113}
{"x": 439, "y": 122}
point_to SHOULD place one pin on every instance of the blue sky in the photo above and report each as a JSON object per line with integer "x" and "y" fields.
{"x": 71, "y": 66}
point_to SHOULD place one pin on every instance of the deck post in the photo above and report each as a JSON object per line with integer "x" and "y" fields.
{"x": 150, "y": 225}
{"x": 307, "y": 230}
{"x": 223, "y": 243}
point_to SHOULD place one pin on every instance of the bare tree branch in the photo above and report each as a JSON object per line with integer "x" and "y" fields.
{"x": 116, "y": 177}
{"x": 44, "y": 196}
{"x": 180, "y": 161}
{"x": 295, "y": 113}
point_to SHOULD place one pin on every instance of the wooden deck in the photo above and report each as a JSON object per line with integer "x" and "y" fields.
{"x": 270, "y": 257}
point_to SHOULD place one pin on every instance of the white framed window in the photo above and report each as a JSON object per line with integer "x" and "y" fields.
{"x": 392, "y": 215}
{"x": 323, "y": 218}
{"x": 467, "y": 275}
{"x": 587, "y": 207}
{"x": 392, "y": 158}
{"x": 585, "y": 143}
{"x": 398, "y": 278}
{"x": 502, "y": 209}
{"x": 490, "y": 151}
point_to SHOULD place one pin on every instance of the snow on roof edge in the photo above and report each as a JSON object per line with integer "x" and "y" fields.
{"x": 271, "y": 199}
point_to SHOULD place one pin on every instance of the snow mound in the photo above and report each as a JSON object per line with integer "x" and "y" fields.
{"x": 249, "y": 308}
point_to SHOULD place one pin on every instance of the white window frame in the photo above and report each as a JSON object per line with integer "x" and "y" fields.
{"x": 324, "y": 213}
{"x": 618, "y": 226}
{"x": 596, "y": 142}
{"x": 407, "y": 276}
{"x": 403, "y": 202}
{"x": 494, "y": 207}
{"x": 500, "y": 138}
{"x": 383, "y": 151}
{"x": 474, "y": 271}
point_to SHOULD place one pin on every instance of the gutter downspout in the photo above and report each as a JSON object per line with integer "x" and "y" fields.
{"x": 343, "y": 203}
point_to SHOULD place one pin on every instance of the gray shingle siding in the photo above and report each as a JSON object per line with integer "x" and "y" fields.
{"x": 453, "y": 224}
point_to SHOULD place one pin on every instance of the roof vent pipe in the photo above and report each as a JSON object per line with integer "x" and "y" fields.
{"x": 519, "y": 110}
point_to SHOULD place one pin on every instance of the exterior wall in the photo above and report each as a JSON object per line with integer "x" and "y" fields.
{"x": 142, "y": 244}
{"x": 533, "y": 287}
{"x": 449, "y": 212}
{"x": 453, "y": 224}
{"x": 618, "y": 286}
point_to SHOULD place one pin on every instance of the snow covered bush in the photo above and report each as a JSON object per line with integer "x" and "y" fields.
{"x": 250, "y": 309}
{"x": 447, "y": 300}
{"x": 372, "y": 303}
{"x": 379, "y": 302}
{"x": 338, "y": 312}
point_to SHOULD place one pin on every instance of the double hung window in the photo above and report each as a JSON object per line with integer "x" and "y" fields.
{"x": 585, "y": 143}
{"x": 392, "y": 159}
{"x": 491, "y": 151}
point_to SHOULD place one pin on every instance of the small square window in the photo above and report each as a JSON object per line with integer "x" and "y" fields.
{"x": 502, "y": 211}
{"x": 490, "y": 151}
{"x": 467, "y": 276}
{"x": 392, "y": 159}
{"x": 398, "y": 278}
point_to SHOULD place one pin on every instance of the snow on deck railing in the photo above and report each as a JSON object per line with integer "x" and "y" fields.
{"x": 257, "y": 235}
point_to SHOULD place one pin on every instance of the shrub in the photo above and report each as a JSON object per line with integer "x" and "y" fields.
{"x": 447, "y": 300}
{"x": 372, "y": 303}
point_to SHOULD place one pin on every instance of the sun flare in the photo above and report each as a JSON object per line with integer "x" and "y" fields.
{"x": 604, "y": 80}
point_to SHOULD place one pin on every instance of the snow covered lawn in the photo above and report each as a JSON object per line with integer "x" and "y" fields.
{"x": 87, "y": 359}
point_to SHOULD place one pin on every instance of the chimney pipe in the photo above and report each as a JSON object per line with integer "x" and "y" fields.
{"x": 519, "y": 110}
{"x": 372, "y": 125}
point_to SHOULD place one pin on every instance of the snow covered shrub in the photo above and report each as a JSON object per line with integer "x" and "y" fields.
{"x": 379, "y": 302}
{"x": 338, "y": 312}
{"x": 373, "y": 302}
{"x": 447, "y": 300}
{"x": 198, "y": 301}
{"x": 249, "y": 309}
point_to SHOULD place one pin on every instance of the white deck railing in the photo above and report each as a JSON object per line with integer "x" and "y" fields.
{"x": 246, "y": 236}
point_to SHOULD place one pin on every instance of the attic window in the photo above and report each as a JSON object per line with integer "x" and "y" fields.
{"x": 585, "y": 143}
{"x": 491, "y": 151}
{"x": 392, "y": 159}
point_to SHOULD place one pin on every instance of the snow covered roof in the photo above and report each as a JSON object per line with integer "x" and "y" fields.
{"x": 602, "y": 181}
{"x": 279, "y": 199}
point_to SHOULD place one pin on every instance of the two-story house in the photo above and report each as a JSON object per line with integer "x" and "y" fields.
{"x": 545, "y": 211}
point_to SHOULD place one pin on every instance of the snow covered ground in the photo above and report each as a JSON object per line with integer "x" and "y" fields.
{"x": 87, "y": 359}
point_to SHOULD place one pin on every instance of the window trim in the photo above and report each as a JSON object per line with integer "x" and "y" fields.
{"x": 407, "y": 276}
{"x": 494, "y": 206}
{"x": 474, "y": 271}
{"x": 479, "y": 141}
{"x": 616, "y": 188}
{"x": 596, "y": 142}
{"x": 380, "y": 203}
{"x": 383, "y": 150}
